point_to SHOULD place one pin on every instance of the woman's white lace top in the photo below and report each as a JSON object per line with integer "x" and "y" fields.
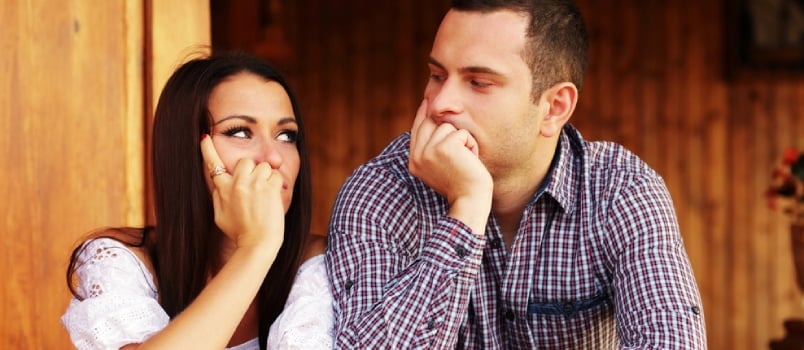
{"x": 306, "y": 321}
{"x": 119, "y": 303}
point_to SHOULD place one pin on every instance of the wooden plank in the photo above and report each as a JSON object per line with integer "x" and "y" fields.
{"x": 730, "y": 324}
{"x": 761, "y": 256}
{"x": 179, "y": 30}
{"x": 134, "y": 97}
{"x": 65, "y": 143}
{"x": 785, "y": 294}
{"x": 711, "y": 264}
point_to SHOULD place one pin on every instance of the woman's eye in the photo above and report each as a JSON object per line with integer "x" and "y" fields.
{"x": 288, "y": 136}
{"x": 238, "y": 132}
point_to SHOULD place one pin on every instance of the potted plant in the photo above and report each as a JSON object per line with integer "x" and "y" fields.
{"x": 786, "y": 192}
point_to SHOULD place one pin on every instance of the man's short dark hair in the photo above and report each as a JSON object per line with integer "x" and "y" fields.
{"x": 557, "y": 49}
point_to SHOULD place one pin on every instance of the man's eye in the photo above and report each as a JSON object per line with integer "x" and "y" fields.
{"x": 238, "y": 132}
{"x": 288, "y": 136}
{"x": 436, "y": 77}
{"x": 479, "y": 84}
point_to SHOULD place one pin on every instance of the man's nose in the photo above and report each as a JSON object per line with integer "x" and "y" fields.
{"x": 446, "y": 99}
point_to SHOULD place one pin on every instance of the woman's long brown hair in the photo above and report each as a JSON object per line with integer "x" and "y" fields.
{"x": 185, "y": 246}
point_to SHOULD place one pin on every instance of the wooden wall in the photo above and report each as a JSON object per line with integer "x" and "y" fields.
{"x": 656, "y": 84}
{"x": 358, "y": 68}
{"x": 65, "y": 135}
{"x": 75, "y": 99}
{"x": 79, "y": 78}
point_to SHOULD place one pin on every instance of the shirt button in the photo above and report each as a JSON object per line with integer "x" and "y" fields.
{"x": 460, "y": 251}
{"x": 495, "y": 243}
{"x": 430, "y": 324}
{"x": 348, "y": 285}
{"x": 509, "y": 315}
{"x": 567, "y": 307}
{"x": 696, "y": 310}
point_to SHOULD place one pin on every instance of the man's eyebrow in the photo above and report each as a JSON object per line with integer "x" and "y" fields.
{"x": 470, "y": 69}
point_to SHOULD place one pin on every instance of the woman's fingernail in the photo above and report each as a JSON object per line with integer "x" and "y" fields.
{"x": 203, "y": 136}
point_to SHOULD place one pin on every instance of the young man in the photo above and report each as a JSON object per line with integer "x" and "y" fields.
{"x": 493, "y": 224}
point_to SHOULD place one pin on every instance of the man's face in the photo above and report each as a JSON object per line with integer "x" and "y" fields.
{"x": 479, "y": 81}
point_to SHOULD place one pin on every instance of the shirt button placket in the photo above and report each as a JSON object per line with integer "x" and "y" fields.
{"x": 460, "y": 251}
{"x": 509, "y": 315}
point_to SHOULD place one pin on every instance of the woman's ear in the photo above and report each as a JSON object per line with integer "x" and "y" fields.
{"x": 561, "y": 100}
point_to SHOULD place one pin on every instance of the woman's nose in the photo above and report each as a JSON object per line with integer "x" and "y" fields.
{"x": 269, "y": 153}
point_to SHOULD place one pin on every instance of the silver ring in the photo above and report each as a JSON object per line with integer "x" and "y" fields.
{"x": 219, "y": 169}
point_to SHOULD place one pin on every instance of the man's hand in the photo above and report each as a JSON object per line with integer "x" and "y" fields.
{"x": 447, "y": 159}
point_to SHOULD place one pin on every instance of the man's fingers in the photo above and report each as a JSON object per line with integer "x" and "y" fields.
{"x": 421, "y": 131}
{"x": 470, "y": 142}
{"x": 441, "y": 133}
{"x": 421, "y": 115}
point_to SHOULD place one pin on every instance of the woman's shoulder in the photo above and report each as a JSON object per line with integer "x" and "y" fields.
{"x": 109, "y": 258}
{"x": 109, "y": 242}
{"x": 115, "y": 301}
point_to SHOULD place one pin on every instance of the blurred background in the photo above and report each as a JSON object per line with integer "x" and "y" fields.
{"x": 709, "y": 93}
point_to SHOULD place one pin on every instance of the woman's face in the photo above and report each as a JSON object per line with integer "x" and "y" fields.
{"x": 252, "y": 117}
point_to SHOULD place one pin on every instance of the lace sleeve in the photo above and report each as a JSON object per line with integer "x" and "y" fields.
{"x": 118, "y": 302}
{"x": 306, "y": 322}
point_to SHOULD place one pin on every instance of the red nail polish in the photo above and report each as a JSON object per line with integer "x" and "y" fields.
{"x": 203, "y": 136}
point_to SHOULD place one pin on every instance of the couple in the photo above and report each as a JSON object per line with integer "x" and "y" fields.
{"x": 492, "y": 224}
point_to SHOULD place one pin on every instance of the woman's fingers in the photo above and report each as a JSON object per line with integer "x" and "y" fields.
{"x": 263, "y": 175}
{"x": 217, "y": 170}
{"x": 247, "y": 200}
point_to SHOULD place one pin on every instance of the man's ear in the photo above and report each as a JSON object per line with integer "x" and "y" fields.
{"x": 561, "y": 100}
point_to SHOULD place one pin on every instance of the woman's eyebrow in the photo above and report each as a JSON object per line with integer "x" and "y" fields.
{"x": 246, "y": 118}
{"x": 252, "y": 120}
{"x": 287, "y": 120}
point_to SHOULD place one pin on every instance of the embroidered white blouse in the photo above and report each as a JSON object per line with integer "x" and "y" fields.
{"x": 120, "y": 304}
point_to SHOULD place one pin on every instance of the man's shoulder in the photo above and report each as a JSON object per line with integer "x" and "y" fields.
{"x": 387, "y": 173}
{"x": 610, "y": 157}
{"x": 391, "y": 161}
{"x": 602, "y": 158}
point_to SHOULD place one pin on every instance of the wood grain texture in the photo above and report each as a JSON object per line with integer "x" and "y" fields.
{"x": 655, "y": 83}
{"x": 65, "y": 141}
{"x": 79, "y": 75}
{"x": 73, "y": 117}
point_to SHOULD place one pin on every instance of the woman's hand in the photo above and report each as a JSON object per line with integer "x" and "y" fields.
{"x": 247, "y": 200}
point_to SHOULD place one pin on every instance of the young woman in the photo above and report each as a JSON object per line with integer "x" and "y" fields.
{"x": 232, "y": 220}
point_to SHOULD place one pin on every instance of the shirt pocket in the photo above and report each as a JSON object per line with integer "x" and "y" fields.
{"x": 568, "y": 308}
{"x": 582, "y": 323}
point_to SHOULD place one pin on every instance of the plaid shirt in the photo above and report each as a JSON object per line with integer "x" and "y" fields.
{"x": 597, "y": 263}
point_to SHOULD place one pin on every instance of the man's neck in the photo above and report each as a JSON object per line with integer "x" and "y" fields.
{"x": 514, "y": 190}
{"x": 508, "y": 203}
